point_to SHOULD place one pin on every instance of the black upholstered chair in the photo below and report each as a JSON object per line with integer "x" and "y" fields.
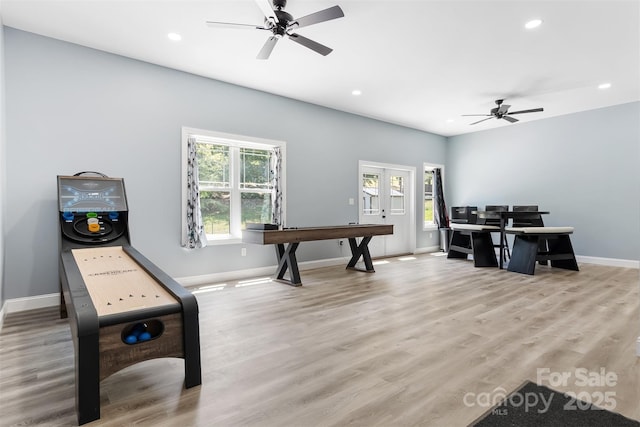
{"x": 529, "y": 221}
{"x": 463, "y": 214}
{"x": 495, "y": 224}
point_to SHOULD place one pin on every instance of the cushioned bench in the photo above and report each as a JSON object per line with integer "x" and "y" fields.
{"x": 473, "y": 239}
{"x": 527, "y": 248}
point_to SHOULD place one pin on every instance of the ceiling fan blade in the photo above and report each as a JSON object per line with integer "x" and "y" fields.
{"x": 315, "y": 46}
{"x": 235, "y": 25}
{"x": 471, "y": 115}
{"x": 320, "y": 16}
{"x": 503, "y": 109}
{"x": 533, "y": 110}
{"x": 267, "y": 10}
{"x": 488, "y": 118}
{"x": 510, "y": 119}
{"x": 268, "y": 46}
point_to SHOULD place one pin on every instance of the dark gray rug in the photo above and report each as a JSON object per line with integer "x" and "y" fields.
{"x": 533, "y": 405}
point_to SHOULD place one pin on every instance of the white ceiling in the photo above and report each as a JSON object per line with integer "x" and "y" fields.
{"x": 419, "y": 64}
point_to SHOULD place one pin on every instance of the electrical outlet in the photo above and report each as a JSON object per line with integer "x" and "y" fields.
{"x": 243, "y": 251}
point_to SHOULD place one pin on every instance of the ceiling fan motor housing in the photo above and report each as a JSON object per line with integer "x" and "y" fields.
{"x": 284, "y": 18}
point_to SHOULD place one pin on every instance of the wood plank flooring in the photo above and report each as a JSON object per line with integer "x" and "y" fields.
{"x": 413, "y": 344}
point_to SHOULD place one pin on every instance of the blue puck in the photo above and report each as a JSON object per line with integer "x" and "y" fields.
{"x": 130, "y": 339}
{"x": 145, "y": 336}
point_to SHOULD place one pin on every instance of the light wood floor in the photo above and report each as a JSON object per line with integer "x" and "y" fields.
{"x": 400, "y": 347}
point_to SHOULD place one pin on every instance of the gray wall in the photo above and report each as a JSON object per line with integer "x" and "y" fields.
{"x": 70, "y": 108}
{"x": 584, "y": 168}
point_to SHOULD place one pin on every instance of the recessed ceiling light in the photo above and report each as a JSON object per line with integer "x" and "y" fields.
{"x": 174, "y": 36}
{"x": 604, "y": 86}
{"x": 356, "y": 92}
{"x": 534, "y": 23}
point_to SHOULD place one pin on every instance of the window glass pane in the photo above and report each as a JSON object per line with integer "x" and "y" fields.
{"x": 428, "y": 196}
{"x": 428, "y": 210}
{"x": 397, "y": 194}
{"x": 370, "y": 194}
{"x": 215, "y": 211}
{"x": 213, "y": 166}
{"x": 255, "y": 171}
{"x": 255, "y": 207}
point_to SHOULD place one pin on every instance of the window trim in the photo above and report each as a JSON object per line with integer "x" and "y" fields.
{"x": 432, "y": 225}
{"x": 232, "y": 140}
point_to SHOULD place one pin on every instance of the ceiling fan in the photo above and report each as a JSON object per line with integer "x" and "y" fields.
{"x": 502, "y": 112}
{"x": 281, "y": 24}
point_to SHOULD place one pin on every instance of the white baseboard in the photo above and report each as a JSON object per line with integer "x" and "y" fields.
{"x": 30, "y": 303}
{"x": 204, "y": 279}
{"x": 426, "y": 250}
{"x": 612, "y": 262}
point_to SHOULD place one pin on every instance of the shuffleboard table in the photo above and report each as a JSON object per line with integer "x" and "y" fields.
{"x": 292, "y": 237}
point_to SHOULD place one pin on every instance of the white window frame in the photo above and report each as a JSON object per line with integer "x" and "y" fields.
{"x": 429, "y": 226}
{"x": 233, "y": 141}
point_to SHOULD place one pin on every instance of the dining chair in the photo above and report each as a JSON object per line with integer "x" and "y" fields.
{"x": 463, "y": 214}
{"x": 496, "y": 223}
{"x": 532, "y": 221}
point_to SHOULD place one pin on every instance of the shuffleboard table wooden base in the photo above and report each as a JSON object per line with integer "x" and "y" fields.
{"x": 286, "y": 243}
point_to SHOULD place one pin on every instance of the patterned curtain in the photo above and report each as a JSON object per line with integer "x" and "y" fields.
{"x": 276, "y": 181}
{"x": 195, "y": 234}
{"x": 439, "y": 209}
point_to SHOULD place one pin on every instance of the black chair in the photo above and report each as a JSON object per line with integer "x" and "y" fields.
{"x": 535, "y": 220}
{"x": 464, "y": 214}
{"x": 495, "y": 222}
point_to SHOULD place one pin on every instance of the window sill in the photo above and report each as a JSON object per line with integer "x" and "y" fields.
{"x": 218, "y": 241}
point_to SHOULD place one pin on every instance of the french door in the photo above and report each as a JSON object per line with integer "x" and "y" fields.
{"x": 387, "y": 196}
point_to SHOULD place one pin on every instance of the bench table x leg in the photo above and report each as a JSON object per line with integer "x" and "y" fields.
{"x": 361, "y": 250}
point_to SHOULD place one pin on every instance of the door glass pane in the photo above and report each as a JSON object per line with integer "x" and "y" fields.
{"x": 370, "y": 194}
{"x": 215, "y": 211}
{"x": 255, "y": 207}
{"x": 396, "y": 192}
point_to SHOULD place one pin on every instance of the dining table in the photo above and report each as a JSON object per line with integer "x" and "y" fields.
{"x": 504, "y": 217}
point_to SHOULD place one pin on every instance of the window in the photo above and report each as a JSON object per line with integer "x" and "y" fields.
{"x": 236, "y": 182}
{"x": 429, "y": 220}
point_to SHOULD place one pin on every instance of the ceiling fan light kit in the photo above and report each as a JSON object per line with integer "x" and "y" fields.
{"x": 502, "y": 112}
{"x": 282, "y": 24}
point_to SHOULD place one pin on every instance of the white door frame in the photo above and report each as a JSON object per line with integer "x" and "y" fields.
{"x": 411, "y": 191}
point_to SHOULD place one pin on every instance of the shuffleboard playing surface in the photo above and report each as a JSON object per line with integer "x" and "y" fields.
{"x": 116, "y": 283}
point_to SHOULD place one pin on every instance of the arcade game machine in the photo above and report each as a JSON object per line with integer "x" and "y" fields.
{"x": 122, "y": 309}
